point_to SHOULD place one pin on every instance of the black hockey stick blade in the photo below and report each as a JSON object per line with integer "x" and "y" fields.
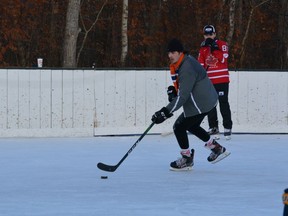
{"x": 105, "y": 167}
{"x": 112, "y": 168}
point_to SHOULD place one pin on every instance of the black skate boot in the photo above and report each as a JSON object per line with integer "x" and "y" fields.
{"x": 214, "y": 132}
{"x": 227, "y": 133}
{"x": 218, "y": 152}
{"x": 184, "y": 163}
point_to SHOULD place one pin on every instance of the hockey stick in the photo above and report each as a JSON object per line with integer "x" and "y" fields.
{"x": 167, "y": 133}
{"x": 112, "y": 168}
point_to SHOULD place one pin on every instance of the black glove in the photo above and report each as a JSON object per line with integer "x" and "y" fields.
{"x": 214, "y": 46}
{"x": 171, "y": 92}
{"x": 209, "y": 42}
{"x": 161, "y": 115}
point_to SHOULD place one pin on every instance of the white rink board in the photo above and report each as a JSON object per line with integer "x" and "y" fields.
{"x": 53, "y": 103}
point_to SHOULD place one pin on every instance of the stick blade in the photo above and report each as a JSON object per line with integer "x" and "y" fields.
{"x": 167, "y": 133}
{"x": 106, "y": 167}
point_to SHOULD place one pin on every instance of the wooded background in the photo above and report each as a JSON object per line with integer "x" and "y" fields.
{"x": 122, "y": 33}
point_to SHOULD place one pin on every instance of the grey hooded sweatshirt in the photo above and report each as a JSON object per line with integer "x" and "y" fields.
{"x": 196, "y": 93}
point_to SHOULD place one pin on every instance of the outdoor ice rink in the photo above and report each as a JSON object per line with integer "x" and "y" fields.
{"x": 59, "y": 177}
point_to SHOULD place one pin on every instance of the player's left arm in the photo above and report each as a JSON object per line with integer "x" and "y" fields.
{"x": 222, "y": 52}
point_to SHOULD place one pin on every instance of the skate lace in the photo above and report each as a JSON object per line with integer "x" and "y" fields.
{"x": 181, "y": 161}
{"x": 216, "y": 152}
{"x": 212, "y": 155}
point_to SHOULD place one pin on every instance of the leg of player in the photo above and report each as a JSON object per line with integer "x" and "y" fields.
{"x": 213, "y": 124}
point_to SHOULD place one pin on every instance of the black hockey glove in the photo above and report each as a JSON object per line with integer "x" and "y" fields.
{"x": 161, "y": 115}
{"x": 171, "y": 92}
{"x": 214, "y": 46}
{"x": 209, "y": 42}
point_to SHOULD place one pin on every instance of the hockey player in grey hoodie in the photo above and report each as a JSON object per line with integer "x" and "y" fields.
{"x": 192, "y": 90}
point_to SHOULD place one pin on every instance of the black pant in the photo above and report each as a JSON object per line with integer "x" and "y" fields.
{"x": 222, "y": 90}
{"x": 191, "y": 124}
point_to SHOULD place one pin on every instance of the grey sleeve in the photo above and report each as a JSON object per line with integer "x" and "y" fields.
{"x": 187, "y": 80}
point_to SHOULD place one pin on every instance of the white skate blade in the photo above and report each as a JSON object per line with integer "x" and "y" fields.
{"x": 221, "y": 157}
{"x": 181, "y": 169}
{"x": 228, "y": 137}
{"x": 216, "y": 136}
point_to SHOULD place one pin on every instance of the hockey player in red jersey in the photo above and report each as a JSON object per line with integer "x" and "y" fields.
{"x": 213, "y": 56}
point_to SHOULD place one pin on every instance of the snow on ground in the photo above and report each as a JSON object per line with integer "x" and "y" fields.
{"x": 59, "y": 177}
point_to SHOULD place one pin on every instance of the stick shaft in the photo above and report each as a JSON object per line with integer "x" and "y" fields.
{"x": 112, "y": 168}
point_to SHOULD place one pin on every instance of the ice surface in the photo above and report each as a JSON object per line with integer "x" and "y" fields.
{"x": 59, "y": 177}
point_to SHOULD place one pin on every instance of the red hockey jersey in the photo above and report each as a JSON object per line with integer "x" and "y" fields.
{"x": 216, "y": 62}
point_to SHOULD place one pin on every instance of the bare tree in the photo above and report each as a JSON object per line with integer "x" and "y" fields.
{"x": 231, "y": 21}
{"x": 221, "y": 11}
{"x": 88, "y": 29}
{"x": 283, "y": 33}
{"x": 71, "y": 33}
{"x": 124, "y": 30}
{"x": 243, "y": 43}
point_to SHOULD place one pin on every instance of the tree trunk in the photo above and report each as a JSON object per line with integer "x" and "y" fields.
{"x": 124, "y": 30}
{"x": 283, "y": 35}
{"x": 71, "y": 33}
{"x": 87, "y": 30}
{"x": 243, "y": 44}
{"x": 231, "y": 21}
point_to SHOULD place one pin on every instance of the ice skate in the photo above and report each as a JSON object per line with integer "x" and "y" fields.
{"x": 214, "y": 132}
{"x": 218, "y": 152}
{"x": 184, "y": 163}
{"x": 227, "y": 133}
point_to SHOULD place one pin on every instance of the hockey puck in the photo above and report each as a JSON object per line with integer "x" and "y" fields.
{"x": 104, "y": 177}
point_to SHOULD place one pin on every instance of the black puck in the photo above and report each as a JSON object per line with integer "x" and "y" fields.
{"x": 104, "y": 177}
